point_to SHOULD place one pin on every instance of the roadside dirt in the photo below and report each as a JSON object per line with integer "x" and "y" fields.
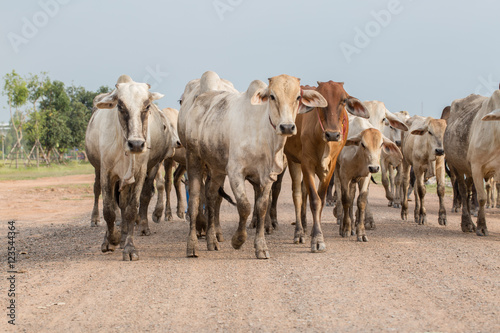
{"x": 407, "y": 278}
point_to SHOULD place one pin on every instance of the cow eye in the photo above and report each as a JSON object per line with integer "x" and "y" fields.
{"x": 180, "y": 101}
{"x": 272, "y": 97}
{"x": 363, "y": 145}
{"x": 430, "y": 132}
{"x": 298, "y": 98}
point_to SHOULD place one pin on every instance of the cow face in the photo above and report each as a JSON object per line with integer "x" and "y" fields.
{"x": 285, "y": 99}
{"x": 393, "y": 133}
{"x": 332, "y": 119}
{"x": 433, "y": 132}
{"x": 132, "y": 101}
{"x": 370, "y": 143}
{"x": 379, "y": 116}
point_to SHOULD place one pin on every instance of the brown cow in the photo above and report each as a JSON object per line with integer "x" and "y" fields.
{"x": 321, "y": 135}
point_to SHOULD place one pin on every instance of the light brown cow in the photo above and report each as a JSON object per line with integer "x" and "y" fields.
{"x": 422, "y": 147}
{"x": 357, "y": 161}
{"x": 321, "y": 135}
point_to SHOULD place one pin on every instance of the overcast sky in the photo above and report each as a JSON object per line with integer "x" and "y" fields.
{"x": 405, "y": 53}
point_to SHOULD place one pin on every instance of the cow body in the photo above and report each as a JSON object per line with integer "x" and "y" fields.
{"x": 126, "y": 139}
{"x": 423, "y": 148}
{"x": 321, "y": 135}
{"x": 240, "y": 135}
{"x": 472, "y": 129}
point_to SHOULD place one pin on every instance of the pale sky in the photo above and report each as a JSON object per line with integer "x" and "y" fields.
{"x": 406, "y": 53}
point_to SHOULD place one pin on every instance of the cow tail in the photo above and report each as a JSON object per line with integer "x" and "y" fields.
{"x": 226, "y": 196}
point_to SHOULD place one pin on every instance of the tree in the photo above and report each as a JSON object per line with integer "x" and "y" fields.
{"x": 17, "y": 93}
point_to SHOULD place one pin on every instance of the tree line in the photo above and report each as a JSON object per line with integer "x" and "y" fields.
{"x": 47, "y": 118}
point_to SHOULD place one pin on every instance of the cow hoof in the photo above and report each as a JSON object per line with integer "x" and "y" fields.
{"x": 238, "y": 240}
{"x": 353, "y": 233}
{"x": 213, "y": 246}
{"x": 94, "y": 223}
{"x": 262, "y": 254}
{"x": 318, "y": 246}
{"x": 362, "y": 238}
{"x": 106, "y": 247}
{"x": 422, "y": 220}
{"x": 130, "y": 254}
{"x": 180, "y": 214}
{"x": 275, "y": 225}
{"x": 299, "y": 238}
{"x": 168, "y": 217}
{"x": 482, "y": 231}
{"x": 390, "y": 204}
{"x": 396, "y": 205}
{"x": 442, "y": 221}
{"x": 404, "y": 214}
{"x": 345, "y": 233}
{"x": 145, "y": 232}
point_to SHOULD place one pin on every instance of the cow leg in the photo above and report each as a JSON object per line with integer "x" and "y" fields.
{"x": 466, "y": 223}
{"x": 420, "y": 212}
{"x": 168, "y": 165}
{"x": 296, "y": 175}
{"x": 346, "y": 191}
{"x": 352, "y": 195}
{"x": 489, "y": 195}
{"x": 498, "y": 193}
{"x": 477, "y": 176}
{"x": 457, "y": 199}
{"x": 112, "y": 236}
{"x": 253, "y": 222}
{"x": 315, "y": 202}
{"x": 397, "y": 191}
{"x": 440, "y": 172}
{"x": 237, "y": 183}
{"x": 386, "y": 183}
{"x": 218, "y": 203}
{"x": 473, "y": 201}
{"x": 262, "y": 195}
{"x": 160, "y": 189}
{"x": 275, "y": 192}
{"x": 338, "y": 210}
{"x": 130, "y": 206}
{"x": 94, "y": 220}
{"x": 329, "y": 193}
{"x": 406, "y": 183}
{"x": 146, "y": 195}
{"x": 194, "y": 169}
{"x": 362, "y": 205}
{"x": 201, "y": 220}
{"x": 181, "y": 201}
{"x": 303, "y": 207}
{"x": 212, "y": 195}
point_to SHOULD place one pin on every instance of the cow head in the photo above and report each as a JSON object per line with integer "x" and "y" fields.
{"x": 433, "y": 130}
{"x": 379, "y": 116}
{"x": 332, "y": 119}
{"x": 370, "y": 143}
{"x": 393, "y": 133}
{"x": 132, "y": 101}
{"x": 284, "y": 99}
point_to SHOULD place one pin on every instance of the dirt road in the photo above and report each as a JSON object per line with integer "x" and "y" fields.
{"x": 407, "y": 278}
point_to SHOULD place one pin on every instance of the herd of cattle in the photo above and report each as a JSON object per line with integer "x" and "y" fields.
{"x": 254, "y": 135}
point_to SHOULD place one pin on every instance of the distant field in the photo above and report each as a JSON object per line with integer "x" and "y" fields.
{"x": 55, "y": 170}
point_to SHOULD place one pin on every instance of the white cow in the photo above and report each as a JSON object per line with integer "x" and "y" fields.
{"x": 422, "y": 148}
{"x": 126, "y": 138}
{"x": 471, "y": 144}
{"x": 241, "y": 135}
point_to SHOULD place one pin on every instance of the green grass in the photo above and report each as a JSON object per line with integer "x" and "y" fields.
{"x": 429, "y": 188}
{"x": 54, "y": 170}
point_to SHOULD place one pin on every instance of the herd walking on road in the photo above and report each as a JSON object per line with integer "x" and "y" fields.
{"x": 318, "y": 132}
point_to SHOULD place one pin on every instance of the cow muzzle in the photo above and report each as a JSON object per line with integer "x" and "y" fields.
{"x": 439, "y": 152}
{"x": 136, "y": 146}
{"x": 287, "y": 129}
{"x": 398, "y": 143}
{"x": 332, "y": 136}
{"x": 373, "y": 168}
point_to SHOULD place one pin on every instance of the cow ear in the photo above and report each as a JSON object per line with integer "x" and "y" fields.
{"x": 153, "y": 96}
{"x": 311, "y": 99}
{"x": 395, "y": 122}
{"x": 493, "y": 115}
{"x": 353, "y": 141}
{"x": 391, "y": 149}
{"x": 419, "y": 131}
{"x": 260, "y": 97}
{"x": 106, "y": 101}
{"x": 355, "y": 107}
